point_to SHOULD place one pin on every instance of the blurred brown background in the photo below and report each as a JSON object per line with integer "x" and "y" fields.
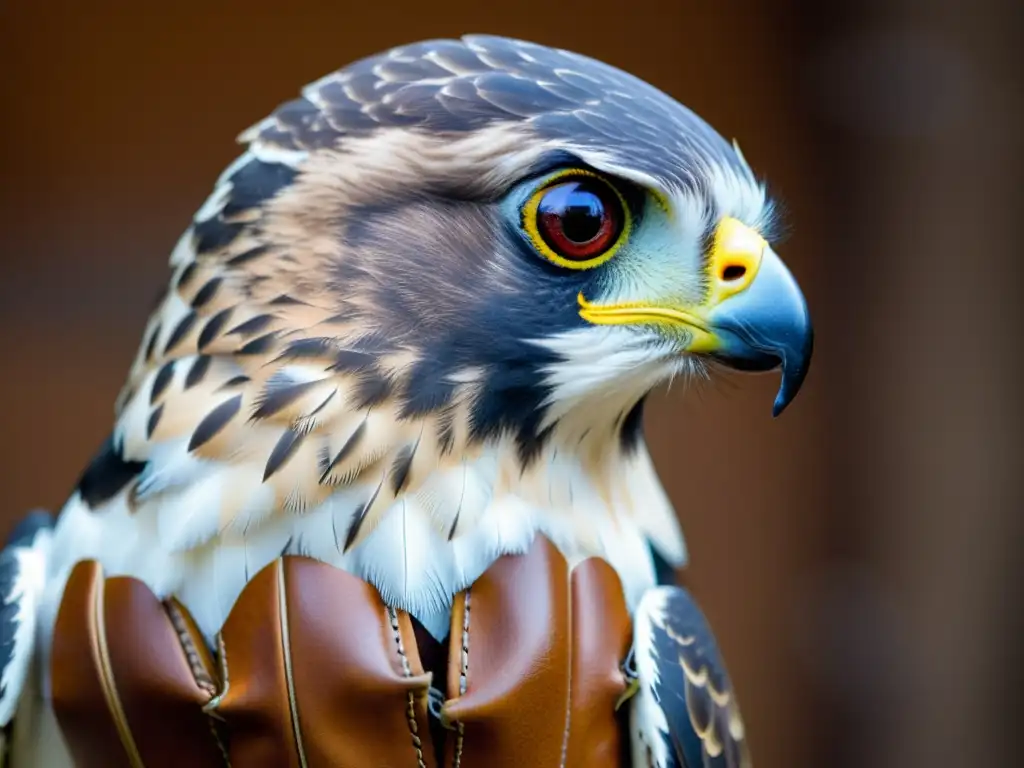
{"x": 859, "y": 557}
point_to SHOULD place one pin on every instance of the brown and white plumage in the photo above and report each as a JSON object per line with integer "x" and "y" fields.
{"x": 354, "y": 359}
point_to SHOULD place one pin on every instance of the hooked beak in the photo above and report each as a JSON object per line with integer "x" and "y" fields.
{"x": 753, "y": 318}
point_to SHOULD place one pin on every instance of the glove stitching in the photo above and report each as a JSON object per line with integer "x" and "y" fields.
{"x": 202, "y": 677}
{"x": 410, "y": 709}
{"x": 200, "y": 674}
{"x": 463, "y": 675}
{"x": 210, "y": 709}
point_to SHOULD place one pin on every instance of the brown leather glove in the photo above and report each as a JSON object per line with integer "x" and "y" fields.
{"x": 314, "y": 670}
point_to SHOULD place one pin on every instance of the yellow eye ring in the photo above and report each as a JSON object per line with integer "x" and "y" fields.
{"x": 546, "y": 219}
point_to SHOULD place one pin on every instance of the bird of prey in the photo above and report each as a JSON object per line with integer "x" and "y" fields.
{"x": 413, "y": 326}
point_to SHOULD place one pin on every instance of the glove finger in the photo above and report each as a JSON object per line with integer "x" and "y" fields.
{"x": 601, "y": 636}
{"x": 534, "y": 667}
{"x": 130, "y": 676}
{"x": 319, "y": 672}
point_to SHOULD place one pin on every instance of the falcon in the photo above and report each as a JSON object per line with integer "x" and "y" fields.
{"x": 412, "y": 328}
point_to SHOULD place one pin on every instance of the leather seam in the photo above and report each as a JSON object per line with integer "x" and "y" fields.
{"x": 410, "y": 711}
{"x": 460, "y": 737}
{"x": 210, "y": 707}
{"x": 571, "y": 661}
{"x": 107, "y": 682}
{"x": 200, "y": 675}
{"x": 286, "y": 648}
{"x": 220, "y": 743}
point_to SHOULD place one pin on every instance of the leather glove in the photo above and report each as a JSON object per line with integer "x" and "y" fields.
{"x": 312, "y": 669}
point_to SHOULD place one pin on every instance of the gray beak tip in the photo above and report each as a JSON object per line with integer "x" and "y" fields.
{"x": 794, "y": 371}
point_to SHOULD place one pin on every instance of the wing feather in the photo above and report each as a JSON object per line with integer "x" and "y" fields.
{"x": 685, "y": 713}
{"x": 22, "y": 581}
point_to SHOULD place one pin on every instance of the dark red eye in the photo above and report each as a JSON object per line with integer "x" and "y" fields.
{"x": 579, "y": 219}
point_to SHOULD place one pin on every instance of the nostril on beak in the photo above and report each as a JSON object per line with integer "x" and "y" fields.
{"x": 733, "y": 272}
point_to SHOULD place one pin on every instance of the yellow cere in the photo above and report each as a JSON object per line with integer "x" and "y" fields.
{"x": 734, "y": 260}
{"x": 530, "y": 222}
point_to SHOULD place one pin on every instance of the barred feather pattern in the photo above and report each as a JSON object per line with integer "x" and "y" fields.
{"x": 355, "y": 360}
{"x": 269, "y": 422}
{"x": 286, "y": 396}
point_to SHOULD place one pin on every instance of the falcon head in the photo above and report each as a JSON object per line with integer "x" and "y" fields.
{"x": 456, "y": 253}
{"x": 553, "y": 229}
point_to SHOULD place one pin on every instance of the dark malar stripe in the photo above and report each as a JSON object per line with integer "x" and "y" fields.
{"x": 427, "y": 388}
{"x": 512, "y": 401}
{"x": 214, "y": 422}
{"x": 107, "y": 474}
{"x": 285, "y": 448}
